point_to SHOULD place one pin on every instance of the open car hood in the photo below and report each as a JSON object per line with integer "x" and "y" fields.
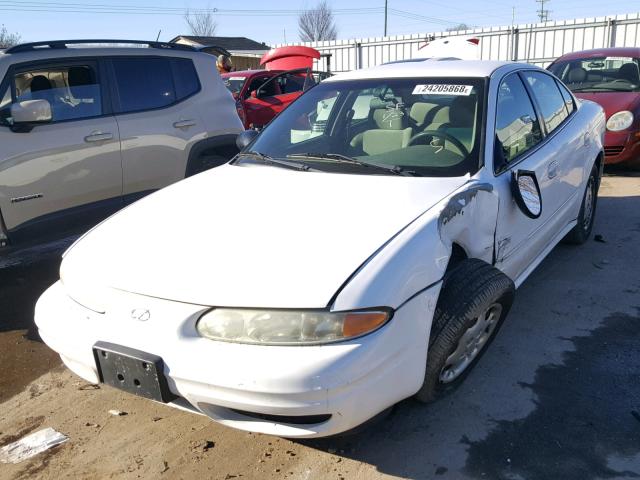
{"x": 252, "y": 236}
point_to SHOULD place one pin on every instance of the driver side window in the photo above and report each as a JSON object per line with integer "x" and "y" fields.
{"x": 517, "y": 127}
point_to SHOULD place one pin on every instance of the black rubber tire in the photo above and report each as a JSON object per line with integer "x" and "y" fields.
{"x": 469, "y": 289}
{"x": 581, "y": 233}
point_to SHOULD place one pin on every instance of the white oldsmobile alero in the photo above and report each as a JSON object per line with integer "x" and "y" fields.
{"x": 364, "y": 248}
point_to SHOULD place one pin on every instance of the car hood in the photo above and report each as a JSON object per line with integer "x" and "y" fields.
{"x": 250, "y": 236}
{"x": 613, "y": 102}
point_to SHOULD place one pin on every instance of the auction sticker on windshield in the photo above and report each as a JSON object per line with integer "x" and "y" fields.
{"x": 440, "y": 89}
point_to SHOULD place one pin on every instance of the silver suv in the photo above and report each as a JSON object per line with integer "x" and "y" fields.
{"x": 88, "y": 126}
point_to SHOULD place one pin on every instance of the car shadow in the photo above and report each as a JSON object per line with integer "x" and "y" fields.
{"x": 557, "y": 394}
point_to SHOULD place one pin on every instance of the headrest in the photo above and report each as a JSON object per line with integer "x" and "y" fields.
{"x": 419, "y": 112}
{"x": 388, "y": 115}
{"x": 39, "y": 83}
{"x": 577, "y": 75}
{"x": 80, "y": 76}
{"x": 629, "y": 72}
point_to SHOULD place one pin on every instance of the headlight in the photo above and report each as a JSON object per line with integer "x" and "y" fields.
{"x": 288, "y": 327}
{"x": 620, "y": 121}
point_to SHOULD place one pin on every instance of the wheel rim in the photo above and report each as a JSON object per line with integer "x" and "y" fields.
{"x": 471, "y": 343}
{"x": 588, "y": 205}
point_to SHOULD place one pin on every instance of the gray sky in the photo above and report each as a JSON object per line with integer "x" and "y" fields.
{"x": 272, "y": 22}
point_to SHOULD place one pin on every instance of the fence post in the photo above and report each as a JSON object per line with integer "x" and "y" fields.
{"x": 515, "y": 40}
{"x": 612, "y": 27}
{"x": 358, "y": 46}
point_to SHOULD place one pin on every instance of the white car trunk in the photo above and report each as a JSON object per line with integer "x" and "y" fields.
{"x": 251, "y": 236}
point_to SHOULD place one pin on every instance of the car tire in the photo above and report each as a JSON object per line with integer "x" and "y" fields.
{"x": 582, "y": 230}
{"x": 473, "y": 303}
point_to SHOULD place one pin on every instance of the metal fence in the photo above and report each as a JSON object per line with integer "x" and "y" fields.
{"x": 537, "y": 43}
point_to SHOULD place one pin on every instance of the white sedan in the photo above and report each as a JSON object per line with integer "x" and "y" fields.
{"x": 362, "y": 249}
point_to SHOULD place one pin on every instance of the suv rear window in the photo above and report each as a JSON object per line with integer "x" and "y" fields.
{"x": 143, "y": 83}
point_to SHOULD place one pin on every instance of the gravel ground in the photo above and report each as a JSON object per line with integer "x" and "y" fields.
{"x": 557, "y": 396}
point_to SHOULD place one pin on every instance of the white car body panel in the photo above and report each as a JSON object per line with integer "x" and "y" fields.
{"x": 343, "y": 218}
{"x": 266, "y": 237}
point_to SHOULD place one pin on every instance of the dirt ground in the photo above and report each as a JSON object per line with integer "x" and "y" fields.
{"x": 557, "y": 396}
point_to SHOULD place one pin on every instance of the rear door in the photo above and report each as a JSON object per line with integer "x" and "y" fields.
{"x": 157, "y": 118}
{"x": 67, "y": 172}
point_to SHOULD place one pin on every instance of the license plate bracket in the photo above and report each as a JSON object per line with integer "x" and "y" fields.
{"x": 132, "y": 370}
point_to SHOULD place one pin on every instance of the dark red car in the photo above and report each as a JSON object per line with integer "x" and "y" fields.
{"x": 262, "y": 94}
{"x": 610, "y": 77}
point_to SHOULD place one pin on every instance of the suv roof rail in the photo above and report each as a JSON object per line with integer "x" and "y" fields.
{"x": 62, "y": 44}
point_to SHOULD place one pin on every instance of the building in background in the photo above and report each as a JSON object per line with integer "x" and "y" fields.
{"x": 245, "y": 53}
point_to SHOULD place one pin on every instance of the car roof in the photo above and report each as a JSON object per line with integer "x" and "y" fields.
{"x": 602, "y": 52}
{"x": 443, "y": 68}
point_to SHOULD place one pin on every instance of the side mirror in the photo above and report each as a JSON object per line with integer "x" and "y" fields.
{"x": 255, "y": 94}
{"x": 526, "y": 191}
{"x": 31, "y": 111}
{"x": 245, "y": 138}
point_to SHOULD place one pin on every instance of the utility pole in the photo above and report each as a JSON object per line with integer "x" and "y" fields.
{"x": 385, "y": 17}
{"x": 542, "y": 13}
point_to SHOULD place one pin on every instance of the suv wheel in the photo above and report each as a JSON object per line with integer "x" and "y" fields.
{"x": 474, "y": 301}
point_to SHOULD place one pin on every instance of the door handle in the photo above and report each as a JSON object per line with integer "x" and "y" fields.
{"x": 552, "y": 170}
{"x": 98, "y": 137}
{"x": 184, "y": 123}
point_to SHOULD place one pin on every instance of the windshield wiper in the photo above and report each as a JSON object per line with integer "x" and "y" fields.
{"x": 339, "y": 158}
{"x": 273, "y": 161}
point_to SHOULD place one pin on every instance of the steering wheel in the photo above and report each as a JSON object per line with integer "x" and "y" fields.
{"x": 621, "y": 80}
{"x": 437, "y": 133}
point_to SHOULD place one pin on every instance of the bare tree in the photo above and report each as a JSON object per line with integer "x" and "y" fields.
{"x": 202, "y": 22}
{"x": 317, "y": 23}
{"x": 460, "y": 26}
{"x": 8, "y": 39}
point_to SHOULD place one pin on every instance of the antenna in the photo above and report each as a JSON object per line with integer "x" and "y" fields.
{"x": 543, "y": 13}
{"x": 158, "y": 37}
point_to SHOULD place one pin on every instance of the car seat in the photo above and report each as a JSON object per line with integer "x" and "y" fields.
{"x": 629, "y": 72}
{"x": 392, "y": 131}
{"x": 576, "y": 75}
{"x": 462, "y": 116}
{"x": 428, "y": 116}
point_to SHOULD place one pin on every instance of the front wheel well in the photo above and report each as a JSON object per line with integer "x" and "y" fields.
{"x": 458, "y": 254}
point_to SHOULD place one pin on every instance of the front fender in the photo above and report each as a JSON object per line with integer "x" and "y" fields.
{"x": 417, "y": 257}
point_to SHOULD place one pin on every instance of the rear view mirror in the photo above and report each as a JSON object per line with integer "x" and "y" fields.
{"x": 28, "y": 113}
{"x": 245, "y": 138}
{"x": 526, "y": 191}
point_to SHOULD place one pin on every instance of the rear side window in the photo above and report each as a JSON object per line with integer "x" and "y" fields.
{"x": 568, "y": 99}
{"x": 143, "y": 83}
{"x": 185, "y": 77}
{"x": 517, "y": 128}
{"x": 546, "y": 92}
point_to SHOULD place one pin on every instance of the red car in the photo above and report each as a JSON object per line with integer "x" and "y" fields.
{"x": 610, "y": 77}
{"x": 262, "y": 94}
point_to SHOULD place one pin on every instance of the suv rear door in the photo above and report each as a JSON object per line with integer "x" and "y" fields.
{"x": 66, "y": 172}
{"x": 157, "y": 117}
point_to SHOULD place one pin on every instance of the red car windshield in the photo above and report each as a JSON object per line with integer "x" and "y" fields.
{"x": 603, "y": 74}
{"x": 234, "y": 83}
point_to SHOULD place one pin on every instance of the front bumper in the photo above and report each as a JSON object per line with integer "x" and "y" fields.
{"x": 622, "y": 148}
{"x": 351, "y": 381}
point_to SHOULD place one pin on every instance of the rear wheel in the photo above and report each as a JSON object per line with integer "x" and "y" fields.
{"x": 582, "y": 230}
{"x": 474, "y": 301}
